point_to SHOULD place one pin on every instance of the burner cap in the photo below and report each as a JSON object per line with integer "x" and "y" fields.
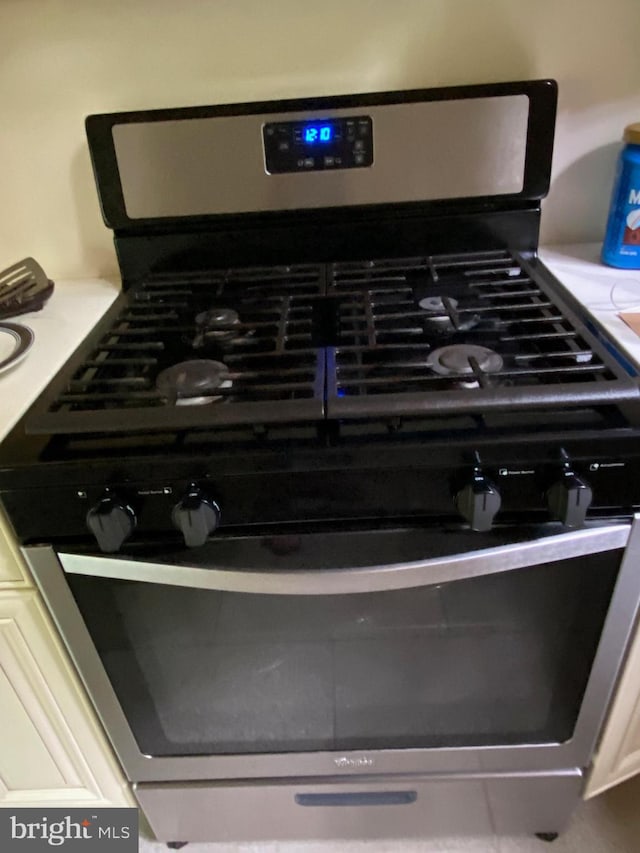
{"x": 455, "y": 360}
{"x": 193, "y": 383}
{"x": 435, "y": 305}
{"x": 218, "y": 327}
{"x": 438, "y": 317}
{"x": 218, "y": 323}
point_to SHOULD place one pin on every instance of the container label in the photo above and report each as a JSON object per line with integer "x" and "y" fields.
{"x": 622, "y": 240}
{"x": 631, "y": 235}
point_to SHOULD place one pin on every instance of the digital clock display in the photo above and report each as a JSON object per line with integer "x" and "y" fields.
{"x": 316, "y": 144}
{"x": 315, "y": 133}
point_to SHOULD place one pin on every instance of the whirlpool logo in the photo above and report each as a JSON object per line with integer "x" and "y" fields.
{"x": 360, "y": 761}
{"x": 32, "y": 830}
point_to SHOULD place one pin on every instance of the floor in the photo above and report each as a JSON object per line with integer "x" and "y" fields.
{"x": 609, "y": 823}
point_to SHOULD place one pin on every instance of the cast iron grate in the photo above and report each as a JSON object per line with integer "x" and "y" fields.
{"x": 275, "y": 372}
{"x": 347, "y": 341}
{"x": 396, "y": 314}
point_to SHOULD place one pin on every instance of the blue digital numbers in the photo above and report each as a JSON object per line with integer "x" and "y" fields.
{"x": 318, "y": 133}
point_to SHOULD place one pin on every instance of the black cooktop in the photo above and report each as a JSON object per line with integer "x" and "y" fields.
{"x": 473, "y": 332}
{"x": 331, "y": 346}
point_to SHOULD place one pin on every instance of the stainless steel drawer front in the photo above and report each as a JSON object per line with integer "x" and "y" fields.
{"x": 370, "y": 809}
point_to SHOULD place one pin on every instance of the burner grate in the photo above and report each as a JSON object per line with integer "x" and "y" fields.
{"x": 347, "y": 341}
{"x": 276, "y": 373}
{"x": 395, "y": 314}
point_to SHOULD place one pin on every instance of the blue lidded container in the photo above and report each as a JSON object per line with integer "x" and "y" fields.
{"x": 622, "y": 239}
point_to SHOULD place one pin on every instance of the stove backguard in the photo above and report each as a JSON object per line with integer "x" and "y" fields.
{"x": 199, "y": 186}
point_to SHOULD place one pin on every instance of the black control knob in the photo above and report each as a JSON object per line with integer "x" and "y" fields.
{"x": 196, "y": 516}
{"x": 111, "y": 521}
{"x": 569, "y": 498}
{"x": 478, "y": 502}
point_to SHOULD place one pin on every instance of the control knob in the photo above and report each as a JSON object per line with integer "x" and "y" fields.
{"x": 569, "y": 498}
{"x": 196, "y": 516}
{"x": 111, "y": 521}
{"x": 478, "y": 502}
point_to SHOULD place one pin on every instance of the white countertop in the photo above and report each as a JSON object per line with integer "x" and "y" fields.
{"x": 76, "y": 306}
{"x": 603, "y": 291}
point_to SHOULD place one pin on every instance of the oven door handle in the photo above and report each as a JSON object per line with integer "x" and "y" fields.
{"x": 357, "y": 579}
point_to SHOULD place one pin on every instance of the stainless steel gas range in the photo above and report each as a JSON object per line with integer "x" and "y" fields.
{"x": 335, "y": 509}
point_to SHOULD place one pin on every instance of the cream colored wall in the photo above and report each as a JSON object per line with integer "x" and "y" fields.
{"x": 63, "y": 59}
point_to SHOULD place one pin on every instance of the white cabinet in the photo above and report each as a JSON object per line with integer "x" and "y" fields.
{"x": 618, "y": 755}
{"x": 52, "y": 748}
{"x": 13, "y": 572}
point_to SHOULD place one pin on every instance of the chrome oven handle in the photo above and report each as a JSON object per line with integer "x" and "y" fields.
{"x": 358, "y": 579}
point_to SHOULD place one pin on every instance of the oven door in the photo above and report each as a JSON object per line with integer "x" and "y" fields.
{"x": 380, "y": 651}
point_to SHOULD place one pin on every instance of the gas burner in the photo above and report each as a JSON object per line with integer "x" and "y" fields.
{"x": 216, "y": 326}
{"x": 193, "y": 383}
{"x": 436, "y": 307}
{"x": 438, "y": 314}
{"x": 456, "y": 360}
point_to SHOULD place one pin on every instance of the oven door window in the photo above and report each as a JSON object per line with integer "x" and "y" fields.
{"x": 495, "y": 660}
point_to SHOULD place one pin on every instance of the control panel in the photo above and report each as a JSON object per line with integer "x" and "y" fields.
{"x": 318, "y": 145}
{"x": 492, "y": 486}
{"x": 479, "y": 494}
